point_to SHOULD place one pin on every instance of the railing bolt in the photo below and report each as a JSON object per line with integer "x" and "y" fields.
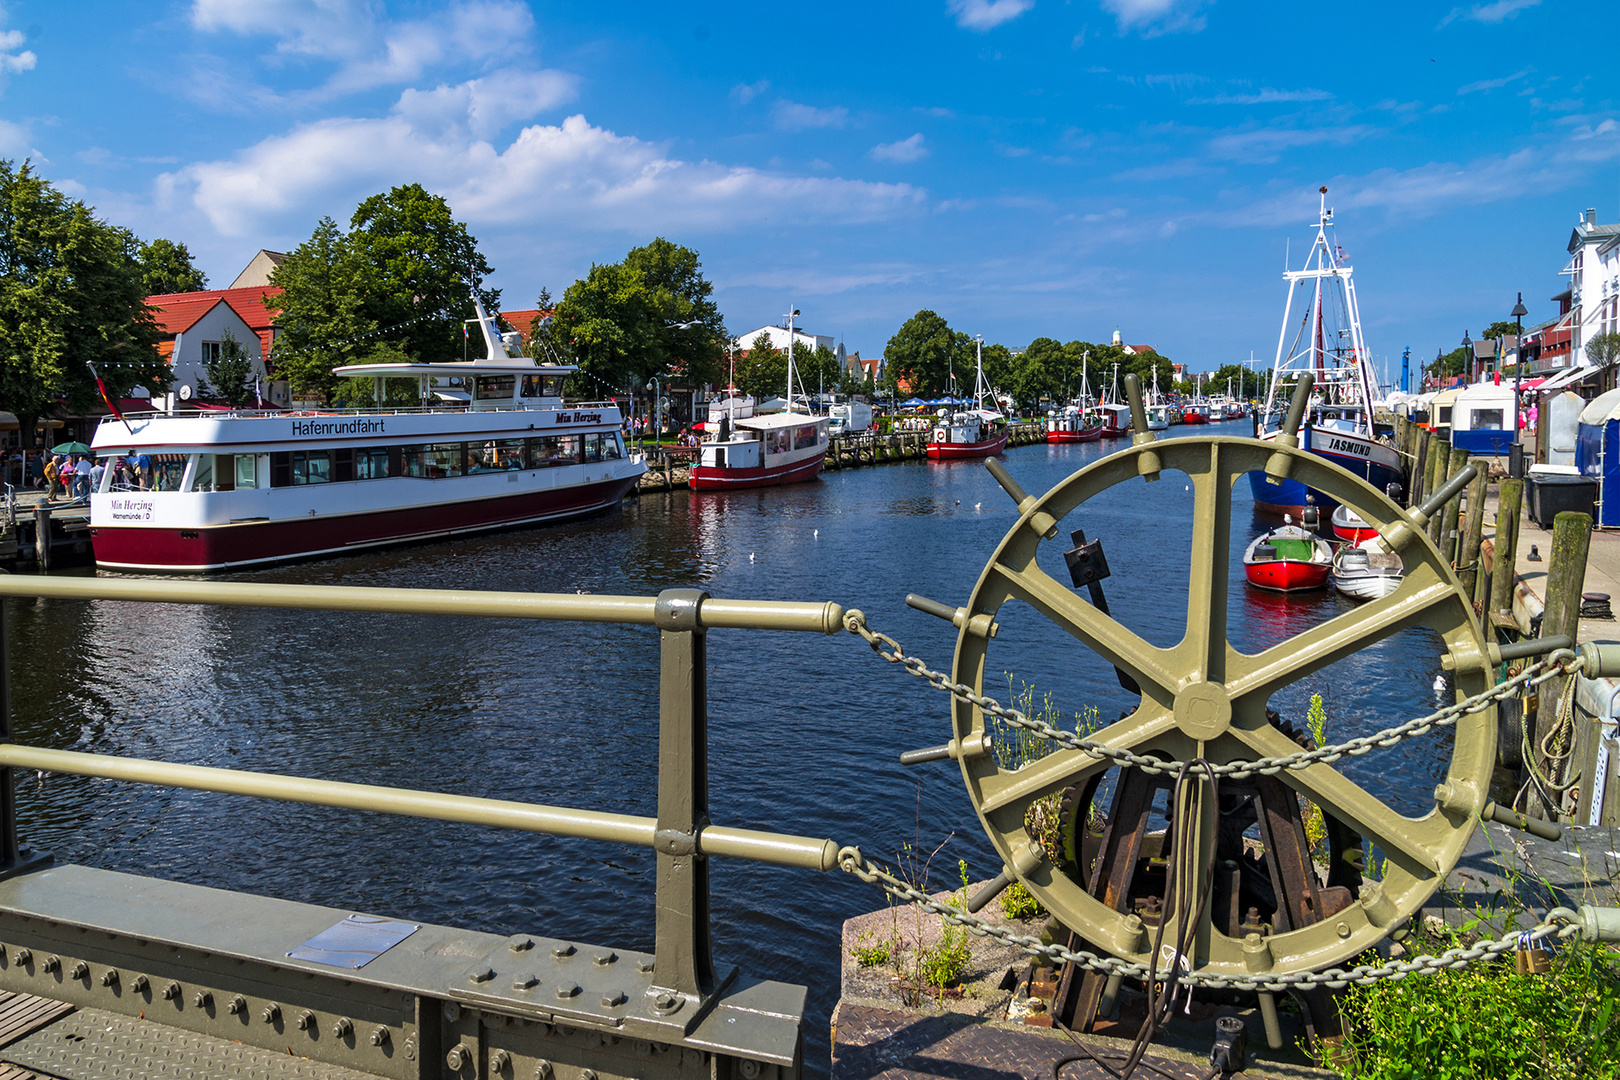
{"x": 272, "y": 1013}
{"x": 567, "y": 990}
{"x": 604, "y": 959}
{"x": 749, "y": 1069}
{"x": 236, "y": 1005}
{"x": 542, "y": 1070}
{"x": 379, "y": 1037}
{"x": 587, "y": 1074}
{"x": 645, "y": 965}
{"x": 306, "y": 1020}
{"x": 459, "y": 1057}
{"x": 523, "y": 982}
{"x": 80, "y": 970}
{"x": 109, "y": 977}
{"x": 521, "y": 944}
{"x": 203, "y": 999}
{"x": 498, "y": 1061}
{"x": 171, "y": 991}
{"x": 23, "y": 956}
{"x": 482, "y": 974}
{"x": 341, "y": 1027}
{"x": 139, "y": 984}
{"x": 612, "y": 999}
{"x": 667, "y": 1002}
{"x": 565, "y": 949}
{"x": 52, "y": 963}
{"x": 410, "y": 1048}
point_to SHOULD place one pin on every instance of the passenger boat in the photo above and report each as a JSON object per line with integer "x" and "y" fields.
{"x": 244, "y": 488}
{"x": 1288, "y": 559}
{"x": 1349, "y": 526}
{"x": 974, "y": 433}
{"x": 760, "y": 449}
{"x": 1368, "y": 571}
{"x": 1339, "y": 424}
{"x": 1072, "y": 424}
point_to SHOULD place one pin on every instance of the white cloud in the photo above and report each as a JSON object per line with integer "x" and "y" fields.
{"x": 986, "y": 15}
{"x": 16, "y": 141}
{"x": 370, "y": 51}
{"x": 906, "y": 150}
{"x": 485, "y": 106}
{"x": 13, "y": 57}
{"x": 1265, "y": 96}
{"x": 1491, "y": 84}
{"x": 568, "y": 176}
{"x": 791, "y": 116}
{"x": 743, "y": 93}
{"x": 1500, "y": 11}
{"x": 1265, "y": 144}
{"x": 1157, "y": 16}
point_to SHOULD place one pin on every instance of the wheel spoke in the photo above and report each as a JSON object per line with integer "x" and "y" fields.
{"x": 1413, "y": 843}
{"x": 1203, "y": 652}
{"x": 1102, "y": 634}
{"x": 1320, "y": 646}
{"x": 1059, "y": 770}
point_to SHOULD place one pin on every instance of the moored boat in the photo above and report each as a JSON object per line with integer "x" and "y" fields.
{"x": 1366, "y": 571}
{"x": 1288, "y": 559}
{"x": 1072, "y": 424}
{"x": 245, "y": 488}
{"x": 973, "y": 433}
{"x": 1349, "y": 526}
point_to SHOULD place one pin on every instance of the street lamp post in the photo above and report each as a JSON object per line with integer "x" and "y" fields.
{"x": 1469, "y": 359}
{"x": 1518, "y": 313}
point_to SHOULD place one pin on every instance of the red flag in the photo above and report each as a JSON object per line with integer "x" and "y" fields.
{"x": 1498, "y": 378}
{"x": 102, "y": 387}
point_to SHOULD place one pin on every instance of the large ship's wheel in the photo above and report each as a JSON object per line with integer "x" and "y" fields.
{"x": 1201, "y": 698}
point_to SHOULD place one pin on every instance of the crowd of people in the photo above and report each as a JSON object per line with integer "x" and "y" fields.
{"x": 75, "y": 476}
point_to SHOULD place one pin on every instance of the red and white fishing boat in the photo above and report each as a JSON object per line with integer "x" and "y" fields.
{"x": 1195, "y": 412}
{"x": 760, "y": 450}
{"x": 975, "y": 433}
{"x": 1289, "y": 559}
{"x": 243, "y": 488}
{"x": 1073, "y": 424}
{"x": 1349, "y": 526}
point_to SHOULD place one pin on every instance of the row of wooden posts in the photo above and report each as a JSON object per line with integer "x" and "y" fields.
{"x": 668, "y": 468}
{"x": 1458, "y": 530}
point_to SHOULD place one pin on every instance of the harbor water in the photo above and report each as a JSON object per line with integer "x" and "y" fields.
{"x": 805, "y": 730}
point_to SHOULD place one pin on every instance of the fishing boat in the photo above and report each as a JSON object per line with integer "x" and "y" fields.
{"x": 1116, "y": 415}
{"x": 1158, "y": 417}
{"x": 1349, "y": 526}
{"x": 761, "y": 449}
{"x": 1366, "y": 571}
{"x": 1327, "y": 342}
{"x": 972, "y": 433}
{"x": 238, "y": 488}
{"x": 1072, "y": 424}
{"x": 1195, "y": 412}
{"x": 1288, "y": 559}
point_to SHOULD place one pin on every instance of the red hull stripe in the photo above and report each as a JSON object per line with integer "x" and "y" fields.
{"x": 1354, "y": 535}
{"x": 1084, "y": 435}
{"x": 957, "y": 451}
{"x": 1287, "y": 576}
{"x": 224, "y": 547}
{"x": 709, "y": 478}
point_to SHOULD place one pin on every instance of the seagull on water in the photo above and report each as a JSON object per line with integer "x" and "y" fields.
{"x": 816, "y": 533}
{"x": 750, "y": 556}
{"x": 1439, "y": 686}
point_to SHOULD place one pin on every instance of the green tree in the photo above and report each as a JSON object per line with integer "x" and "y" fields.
{"x": 762, "y": 369}
{"x": 415, "y": 263}
{"x": 230, "y": 374}
{"x": 166, "y": 267}
{"x": 925, "y": 355}
{"x": 1499, "y": 329}
{"x": 322, "y": 323}
{"x": 70, "y": 295}
{"x": 1036, "y": 373}
{"x": 1604, "y": 351}
{"x": 1452, "y": 363}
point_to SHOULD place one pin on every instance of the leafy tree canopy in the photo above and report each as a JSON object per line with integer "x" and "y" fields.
{"x": 166, "y": 268}
{"x": 1604, "y": 349}
{"x": 925, "y": 355}
{"x": 322, "y": 323}
{"x": 1498, "y": 329}
{"x": 71, "y": 292}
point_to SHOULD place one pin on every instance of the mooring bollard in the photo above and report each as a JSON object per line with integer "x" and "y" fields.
{"x": 1566, "y": 576}
{"x": 1468, "y": 568}
{"x": 42, "y": 536}
{"x": 1505, "y": 548}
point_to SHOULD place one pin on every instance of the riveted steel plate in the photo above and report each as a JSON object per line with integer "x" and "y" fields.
{"x": 354, "y": 942}
{"x": 92, "y": 1042}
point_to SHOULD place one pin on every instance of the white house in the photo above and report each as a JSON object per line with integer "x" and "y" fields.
{"x": 779, "y": 339}
{"x": 1594, "y": 282}
{"x": 199, "y": 321}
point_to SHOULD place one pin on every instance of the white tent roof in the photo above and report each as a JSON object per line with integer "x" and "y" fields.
{"x": 1603, "y": 407}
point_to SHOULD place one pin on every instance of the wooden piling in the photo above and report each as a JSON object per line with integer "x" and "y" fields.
{"x": 1566, "y": 577}
{"x": 1468, "y": 569}
{"x": 1505, "y": 546}
{"x": 1420, "y": 457}
{"x": 1450, "y": 531}
{"x": 1435, "y": 475}
{"x": 42, "y": 536}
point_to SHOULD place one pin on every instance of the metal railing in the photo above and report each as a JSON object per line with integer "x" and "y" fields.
{"x": 356, "y": 410}
{"x": 681, "y": 833}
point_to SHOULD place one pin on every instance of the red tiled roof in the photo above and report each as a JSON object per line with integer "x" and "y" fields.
{"x": 175, "y": 313}
{"x": 521, "y": 321}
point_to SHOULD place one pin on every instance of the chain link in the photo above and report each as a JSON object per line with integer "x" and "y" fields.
{"x": 1559, "y": 662}
{"x": 1559, "y": 923}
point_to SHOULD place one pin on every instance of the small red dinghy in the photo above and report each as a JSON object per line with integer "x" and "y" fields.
{"x": 1350, "y": 526}
{"x": 1289, "y": 559}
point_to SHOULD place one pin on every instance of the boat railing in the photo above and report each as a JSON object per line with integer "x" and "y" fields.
{"x": 386, "y": 410}
{"x": 683, "y": 980}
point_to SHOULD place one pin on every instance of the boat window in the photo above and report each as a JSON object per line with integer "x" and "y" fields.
{"x": 311, "y": 467}
{"x": 494, "y": 387}
{"x": 1487, "y": 420}
{"x": 224, "y": 472}
{"x": 809, "y": 435}
{"x": 167, "y": 471}
{"x": 371, "y": 463}
{"x": 553, "y": 385}
{"x": 413, "y": 460}
{"x": 776, "y": 442}
{"x": 281, "y": 470}
{"x": 593, "y": 447}
{"x": 202, "y": 474}
{"x": 611, "y": 448}
{"x": 247, "y": 470}
{"x": 446, "y": 459}
{"x": 481, "y": 457}
{"x": 509, "y": 454}
{"x": 1445, "y": 414}
{"x": 542, "y": 386}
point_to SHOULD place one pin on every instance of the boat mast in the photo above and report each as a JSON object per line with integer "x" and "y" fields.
{"x": 790, "y": 372}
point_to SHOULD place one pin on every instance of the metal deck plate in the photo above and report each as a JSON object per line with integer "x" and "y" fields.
{"x": 93, "y": 1043}
{"x": 354, "y": 942}
{"x": 23, "y": 1013}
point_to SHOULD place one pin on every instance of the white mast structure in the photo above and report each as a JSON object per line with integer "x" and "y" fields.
{"x": 790, "y": 370}
{"x": 1323, "y": 267}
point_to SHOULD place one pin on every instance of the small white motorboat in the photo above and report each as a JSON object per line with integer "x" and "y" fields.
{"x": 1366, "y": 571}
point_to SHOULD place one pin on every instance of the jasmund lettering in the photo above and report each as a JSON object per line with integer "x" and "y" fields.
{"x": 357, "y": 426}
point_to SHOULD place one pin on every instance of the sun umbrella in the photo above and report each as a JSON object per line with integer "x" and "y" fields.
{"x": 71, "y": 448}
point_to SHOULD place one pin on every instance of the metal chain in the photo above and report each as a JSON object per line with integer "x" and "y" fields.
{"x": 1559, "y": 662}
{"x": 1560, "y": 923}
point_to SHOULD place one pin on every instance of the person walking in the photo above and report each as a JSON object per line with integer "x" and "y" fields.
{"x": 53, "y": 477}
{"x": 97, "y": 471}
{"x": 81, "y": 477}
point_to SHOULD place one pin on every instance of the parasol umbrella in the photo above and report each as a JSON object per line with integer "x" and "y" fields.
{"x": 71, "y": 448}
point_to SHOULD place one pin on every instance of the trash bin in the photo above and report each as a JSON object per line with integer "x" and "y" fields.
{"x": 1556, "y": 488}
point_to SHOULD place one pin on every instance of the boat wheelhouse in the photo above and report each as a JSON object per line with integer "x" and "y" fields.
{"x": 973, "y": 433}
{"x": 244, "y": 488}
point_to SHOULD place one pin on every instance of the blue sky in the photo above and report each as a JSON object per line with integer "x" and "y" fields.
{"x": 1023, "y": 167}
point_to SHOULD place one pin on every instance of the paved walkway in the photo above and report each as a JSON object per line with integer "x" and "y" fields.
{"x": 1602, "y": 568}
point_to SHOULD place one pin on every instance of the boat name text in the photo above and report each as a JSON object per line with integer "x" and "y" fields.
{"x": 132, "y": 509}
{"x": 360, "y": 425}
{"x": 579, "y": 418}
